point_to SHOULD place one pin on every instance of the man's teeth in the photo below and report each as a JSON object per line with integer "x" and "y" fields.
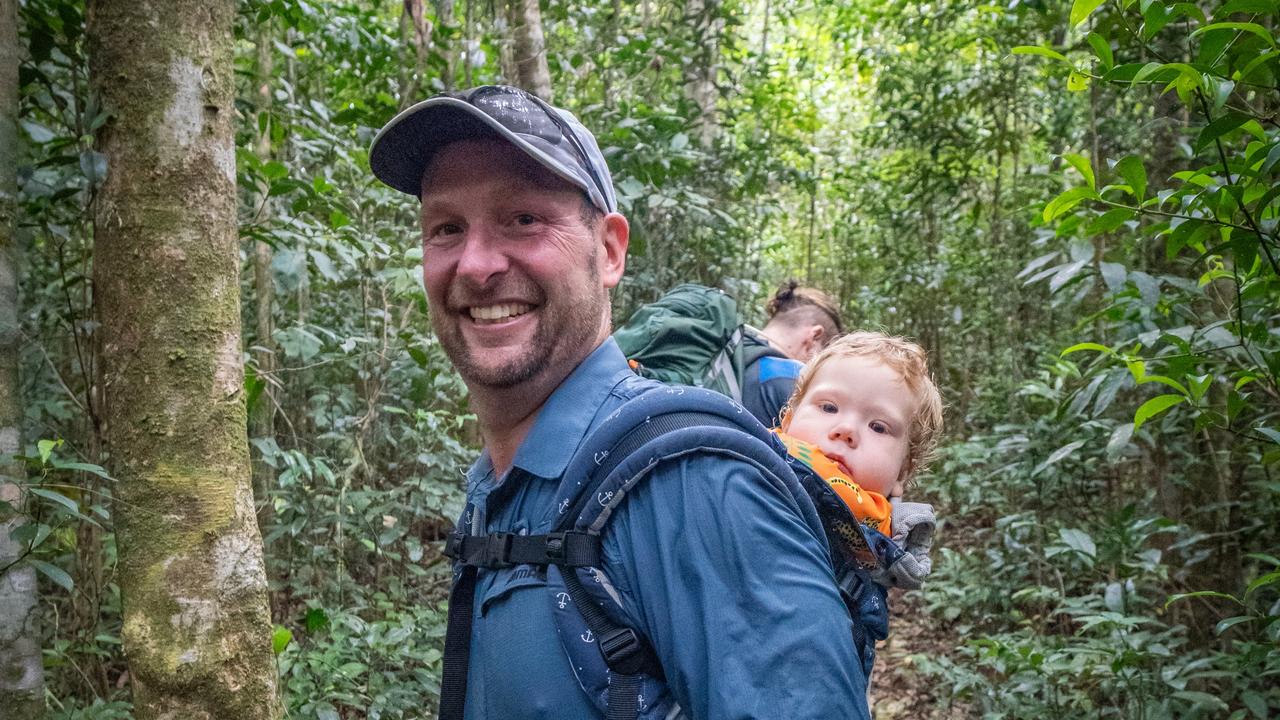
{"x": 491, "y": 313}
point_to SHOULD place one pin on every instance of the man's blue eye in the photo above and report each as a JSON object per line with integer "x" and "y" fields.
{"x": 525, "y": 219}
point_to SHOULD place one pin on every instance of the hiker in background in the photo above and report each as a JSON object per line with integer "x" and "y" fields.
{"x": 694, "y": 335}
{"x": 709, "y": 594}
{"x": 802, "y": 320}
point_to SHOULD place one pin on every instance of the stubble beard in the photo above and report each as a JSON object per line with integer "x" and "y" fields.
{"x": 583, "y": 317}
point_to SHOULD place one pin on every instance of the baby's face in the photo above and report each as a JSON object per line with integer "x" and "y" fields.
{"x": 858, "y": 412}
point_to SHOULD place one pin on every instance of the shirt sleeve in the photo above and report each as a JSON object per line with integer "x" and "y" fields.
{"x": 734, "y": 590}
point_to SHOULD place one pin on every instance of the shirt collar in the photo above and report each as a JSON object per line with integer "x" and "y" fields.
{"x": 565, "y": 417}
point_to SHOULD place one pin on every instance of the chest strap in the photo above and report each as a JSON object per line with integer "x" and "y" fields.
{"x": 500, "y": 550}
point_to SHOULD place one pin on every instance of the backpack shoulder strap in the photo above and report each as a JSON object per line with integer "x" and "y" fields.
{"x": 660, "y": 424}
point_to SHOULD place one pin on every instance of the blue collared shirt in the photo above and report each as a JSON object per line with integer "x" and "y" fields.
{"x": 714, "y": 566}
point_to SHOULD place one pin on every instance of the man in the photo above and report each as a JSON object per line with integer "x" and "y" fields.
{"x": 714, "y": 565}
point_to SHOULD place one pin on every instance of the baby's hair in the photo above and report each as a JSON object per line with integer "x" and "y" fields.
{"x": 795, "y": 303}
{"x": 908, "y": 360}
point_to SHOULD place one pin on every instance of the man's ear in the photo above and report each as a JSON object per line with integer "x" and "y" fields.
{"x": 615, "y": 236}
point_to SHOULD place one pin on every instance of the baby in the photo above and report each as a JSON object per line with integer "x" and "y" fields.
{"x": 865, "y": 418}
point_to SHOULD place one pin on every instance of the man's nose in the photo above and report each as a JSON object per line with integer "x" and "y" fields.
{"x": 483, "y": 256}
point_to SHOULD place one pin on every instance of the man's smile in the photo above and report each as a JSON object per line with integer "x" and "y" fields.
{"x": 486, "y": 314}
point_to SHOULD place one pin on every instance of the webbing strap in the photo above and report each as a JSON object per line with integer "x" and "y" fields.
{"x": 499, "y": 550}
{"x": 457, "y": 646}
{"x": 625, "y": 652}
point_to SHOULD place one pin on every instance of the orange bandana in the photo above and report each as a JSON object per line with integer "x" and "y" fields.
{"x": 869, "y": 508}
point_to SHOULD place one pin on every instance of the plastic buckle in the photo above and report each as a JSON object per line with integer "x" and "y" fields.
{"x": 453, "y": 545}
{"x": 497, "y": 551}
{"x": 622, "y": 651}
{"x": 557, "y": 547}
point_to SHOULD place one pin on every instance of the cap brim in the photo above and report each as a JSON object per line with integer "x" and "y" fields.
{"x": 402, "y": 149}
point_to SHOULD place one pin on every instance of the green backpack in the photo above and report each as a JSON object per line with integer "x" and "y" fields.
{"x": 693, "y": 335}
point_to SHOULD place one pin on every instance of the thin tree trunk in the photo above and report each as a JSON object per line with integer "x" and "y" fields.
{"x": 195, "y": 624}
{"x": 21, "y": 669}
{"x": 262, "y": 422}
{"x": 528, "y": 47}
{"x": 700, "y": 78}
{"x": 444, "y": 14}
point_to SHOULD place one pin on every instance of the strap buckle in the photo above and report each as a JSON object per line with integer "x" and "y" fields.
{"x": 497, "y": 551}
{"x": 453, "y": 545}
{"x": 623, "y": 651}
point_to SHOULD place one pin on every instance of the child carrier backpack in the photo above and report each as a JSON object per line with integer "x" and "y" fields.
{"x": 614, "y": 664}
{"x": 693, "y": 335}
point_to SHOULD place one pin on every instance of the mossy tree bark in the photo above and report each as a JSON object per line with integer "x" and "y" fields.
{"x": 21, "y": 668}
{"x": 196, "y": 627}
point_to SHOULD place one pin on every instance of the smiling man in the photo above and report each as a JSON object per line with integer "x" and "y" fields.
{"x": 715, "y": 577}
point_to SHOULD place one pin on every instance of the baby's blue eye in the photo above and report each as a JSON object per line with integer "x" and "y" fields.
{"x": 878, "y": 427}
{"x": 827, "y": 407}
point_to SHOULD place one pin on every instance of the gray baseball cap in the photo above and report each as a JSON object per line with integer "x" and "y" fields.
{"x": 552, "y": 136}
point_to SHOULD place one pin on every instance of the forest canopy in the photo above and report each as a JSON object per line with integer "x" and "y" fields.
{"x": 1074, "y": 207}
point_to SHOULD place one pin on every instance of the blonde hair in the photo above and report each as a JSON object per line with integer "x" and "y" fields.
{"x": 903, "y": 357}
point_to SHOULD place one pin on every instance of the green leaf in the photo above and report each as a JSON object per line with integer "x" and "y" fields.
{"x": 1087, "y": 346}
{"x": 275, "y": 170}
{"x": 1067, "y": 200}
{"x": 1202, "y": 699}
{"x": 1199, "y": 384}
{"x": 54, "y": 573}
{"x": 1256, "y": 703}
{"x": 280, "y": 638}
{"x": 1102, "y": 48}
{"x": 1254, "y": 28}
{"x": 1077, "y": 82}
{"x": 1131, "y": 169}
{"x": 1110, "y": 220}
{"x": 56, "y": 497}
{"x": 1079, "y": 541}
{"x": 1154, "y": 407}
{"x": 1120, "y": 438}
{"x": 1231, "y": 622}
{"x": 46, "y": 449}
{"x": 1057, "y": 455}
{"x": 1041, "y": 51}
{"x": 1220, "y": 127}
{"x": 1082, "y": 9}
{"x": 1271, "y": 578}
{"x": 82, "y": 467}
{"x": 1272, "y": 435}
{"x": 1081, "y": 164}
{"x": 38, "y": 133}
{"x": 1201, "y": 593}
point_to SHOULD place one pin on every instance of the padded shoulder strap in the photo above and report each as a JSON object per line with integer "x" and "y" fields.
{"x": 660, "y": 424}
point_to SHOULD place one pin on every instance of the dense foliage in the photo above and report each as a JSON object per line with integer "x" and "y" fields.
{"x": 1073, "y": 206}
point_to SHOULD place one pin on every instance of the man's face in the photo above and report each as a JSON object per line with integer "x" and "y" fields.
{"x": 516, "y": 280}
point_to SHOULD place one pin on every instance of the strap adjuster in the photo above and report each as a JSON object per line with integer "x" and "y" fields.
{"x": 557, "y": 548}
{"x": 497, "y": 551}
{"x": 623, "y": 651}
{"x": 453, "y": 545}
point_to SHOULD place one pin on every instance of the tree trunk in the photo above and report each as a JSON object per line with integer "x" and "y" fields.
{"x": 529, "y": 49}
{"x": 700, "y": 77}
{"x": 195, "y": 627}
{"x": 444, "y": 14}
{"x": 21, "y": 668}
{"x": 262, "y": 422}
